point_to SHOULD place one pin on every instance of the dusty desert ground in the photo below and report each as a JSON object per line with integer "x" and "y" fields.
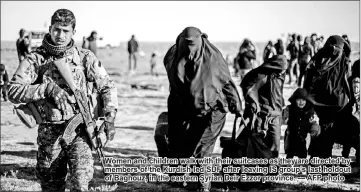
{"x": 135, "y": 122}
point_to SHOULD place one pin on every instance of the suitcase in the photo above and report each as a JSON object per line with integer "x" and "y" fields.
{"x": 247, "y": 144}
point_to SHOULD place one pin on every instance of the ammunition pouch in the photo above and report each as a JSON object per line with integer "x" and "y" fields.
{"x": 35, "y": 113}
{"x": 53, "y": 114}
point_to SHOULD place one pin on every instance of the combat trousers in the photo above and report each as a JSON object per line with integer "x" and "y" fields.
{"x": 52, "y": 160}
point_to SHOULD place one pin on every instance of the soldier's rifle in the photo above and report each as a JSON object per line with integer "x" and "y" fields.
{"x": 92, "y": 130}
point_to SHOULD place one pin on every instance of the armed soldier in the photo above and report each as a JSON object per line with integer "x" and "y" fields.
{"x": 40, "y": 80}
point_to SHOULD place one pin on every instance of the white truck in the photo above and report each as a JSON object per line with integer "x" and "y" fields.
{"x": 36, "y": 38}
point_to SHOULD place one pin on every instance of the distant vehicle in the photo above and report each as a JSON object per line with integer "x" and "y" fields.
{"x": 36, "y": 38}
{"x": 101, "y": 43}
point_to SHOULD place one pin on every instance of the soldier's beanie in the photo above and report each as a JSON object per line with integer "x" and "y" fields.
{"x": 63, "y": 17}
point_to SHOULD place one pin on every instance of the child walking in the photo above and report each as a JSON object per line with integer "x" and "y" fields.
{"x": 153, "y": 64}
{"x": 300, "y": 119}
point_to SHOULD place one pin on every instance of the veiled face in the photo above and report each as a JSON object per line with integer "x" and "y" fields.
{"x": 190, "y": 46}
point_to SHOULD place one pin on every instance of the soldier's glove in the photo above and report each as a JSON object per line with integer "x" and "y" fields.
{"x": 108, "y": 127}
{"x": 59, "y": 95}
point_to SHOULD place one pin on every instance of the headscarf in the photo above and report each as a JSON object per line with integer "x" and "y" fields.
{"x": 276, "y": 63}
{"x": 300, "y": 93}
{"x": 255, "y": 79}
{"x": 295, "y": 113}
{"x": 196, "y": 70}
{"x": 279, "y": 47}
{"x": 2, "y": 67}
{"x": 246, "y": 43}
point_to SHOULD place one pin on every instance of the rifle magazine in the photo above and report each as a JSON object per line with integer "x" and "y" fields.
{"x": 70, "y": 130}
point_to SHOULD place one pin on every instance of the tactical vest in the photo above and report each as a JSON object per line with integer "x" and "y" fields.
{"x": 45, "y": 111}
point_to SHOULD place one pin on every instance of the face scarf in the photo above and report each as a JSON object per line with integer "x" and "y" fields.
{"x": 58, "y": 51}
{"x": 196, "y": 70}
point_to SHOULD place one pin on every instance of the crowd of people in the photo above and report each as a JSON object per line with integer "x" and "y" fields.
{"x": 298, "y": 51}
{"x": 298, "y": 59}
{"x": 319, "y": 107}
{"x": 202, "y": 92}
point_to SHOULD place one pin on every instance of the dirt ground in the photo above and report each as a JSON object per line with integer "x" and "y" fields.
{"x": 135, "y": 123}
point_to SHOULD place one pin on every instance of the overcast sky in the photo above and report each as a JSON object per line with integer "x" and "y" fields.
{"x": 163, "y": 21}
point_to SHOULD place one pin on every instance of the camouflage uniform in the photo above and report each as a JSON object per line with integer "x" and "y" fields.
{"x": 29, "y": 84}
